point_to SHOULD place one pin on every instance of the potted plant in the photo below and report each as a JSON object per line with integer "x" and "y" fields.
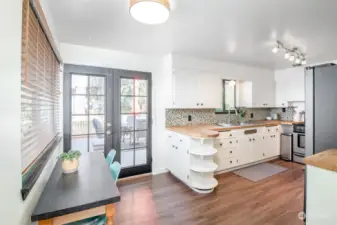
{"x": 70, "y": 161}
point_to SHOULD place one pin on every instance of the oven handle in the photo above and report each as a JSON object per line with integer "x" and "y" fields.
{"x": 299, "y": 154}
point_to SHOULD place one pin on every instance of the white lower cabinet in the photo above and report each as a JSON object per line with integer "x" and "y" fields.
{"x": 194, "y": 161}
{"x": 247, "y": 148}
{"x": 191, "y": 161}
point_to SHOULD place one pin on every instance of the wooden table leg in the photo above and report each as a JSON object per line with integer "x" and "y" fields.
{"x": 110, "y": 214}
{"x": 45, "y": 222}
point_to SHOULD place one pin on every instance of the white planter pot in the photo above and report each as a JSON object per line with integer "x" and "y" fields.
{"x": 70, "y": 166}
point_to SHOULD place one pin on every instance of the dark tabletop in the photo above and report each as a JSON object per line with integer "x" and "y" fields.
{"x": 91, "y": 186}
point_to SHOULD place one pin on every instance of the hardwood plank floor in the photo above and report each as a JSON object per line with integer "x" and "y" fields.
{"x": 164, "y": 200}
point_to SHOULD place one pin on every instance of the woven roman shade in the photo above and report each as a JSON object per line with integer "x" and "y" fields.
{"x": 40, "y": 90}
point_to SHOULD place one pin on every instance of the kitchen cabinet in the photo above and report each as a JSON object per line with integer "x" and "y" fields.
{"x": 236, "y": 148}
{"x": 191, "y": 161}
{"x": 255, "y": 94}
{"x": 289, "y": 86}
{"x": 192, "y": 89}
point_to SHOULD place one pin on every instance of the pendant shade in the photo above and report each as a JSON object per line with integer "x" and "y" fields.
{"x": 150, "y": 11}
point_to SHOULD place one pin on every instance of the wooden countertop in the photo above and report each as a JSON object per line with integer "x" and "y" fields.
{"x": 324, "y": 160}
{"x": 212, "y": 131}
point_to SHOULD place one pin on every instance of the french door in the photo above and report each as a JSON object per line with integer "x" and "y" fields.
{"x": 108, "y": 109}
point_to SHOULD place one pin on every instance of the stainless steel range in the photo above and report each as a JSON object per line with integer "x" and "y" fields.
{"x": 299, "y": 143}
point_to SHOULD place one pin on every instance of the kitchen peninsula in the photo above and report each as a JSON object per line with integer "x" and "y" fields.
{"x": 198, "y": 152}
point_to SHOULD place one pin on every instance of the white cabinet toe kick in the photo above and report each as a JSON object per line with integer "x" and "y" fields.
{"x": 195, "y": 161}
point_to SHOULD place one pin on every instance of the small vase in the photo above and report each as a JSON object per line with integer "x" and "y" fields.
{"x": 70, "y": 166}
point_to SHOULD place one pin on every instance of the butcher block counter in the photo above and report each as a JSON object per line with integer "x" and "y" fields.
{"x": 325, "y": 160}
{"x": 212, "y": 131}
{"x": 320, "y": 188}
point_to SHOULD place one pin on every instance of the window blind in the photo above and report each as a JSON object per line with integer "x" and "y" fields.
{"x": 40, "y": 90}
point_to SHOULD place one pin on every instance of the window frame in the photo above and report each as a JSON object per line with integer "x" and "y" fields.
{"x": 224, "y": 111}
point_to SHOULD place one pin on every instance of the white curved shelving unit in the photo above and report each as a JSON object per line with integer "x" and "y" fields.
{"x": 203, "y": 151}
{"x": 205, "y": 167}
{"x": 205, "y": 186}
{"x": 191, "y": 161}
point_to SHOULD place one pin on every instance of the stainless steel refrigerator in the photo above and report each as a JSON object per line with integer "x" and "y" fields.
{"x": 321, "y": 108}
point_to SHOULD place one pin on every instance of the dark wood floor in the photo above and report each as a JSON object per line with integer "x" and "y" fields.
{"x": 163, "y": 200}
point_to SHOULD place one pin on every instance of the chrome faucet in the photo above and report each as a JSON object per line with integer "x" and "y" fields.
{"x": 229, "y": 112}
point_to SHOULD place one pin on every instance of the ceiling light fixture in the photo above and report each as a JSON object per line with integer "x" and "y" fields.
{"x": 292, "y": 54}
{"x": 150, "y": 11}
{"x": 275, "y": 49}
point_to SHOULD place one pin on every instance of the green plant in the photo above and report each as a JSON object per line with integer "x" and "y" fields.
{"x": 242, "y": 113}
{"x": 72, "y": 154}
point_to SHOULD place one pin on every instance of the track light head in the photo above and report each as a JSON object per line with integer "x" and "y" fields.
{"x": 286, "y": 55}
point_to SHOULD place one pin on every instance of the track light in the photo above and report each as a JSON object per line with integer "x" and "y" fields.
{"x": 293, "y": 54}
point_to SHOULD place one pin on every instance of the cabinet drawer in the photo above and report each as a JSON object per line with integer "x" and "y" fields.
{"x": 228, "y": 163}
{"x": 271, "y": 129}
{"x": 226, "y": 143}
{"x": 226, "y": 153}
{"x": 227, "y": 134}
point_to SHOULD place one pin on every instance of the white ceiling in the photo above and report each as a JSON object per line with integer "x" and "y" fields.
{"x": 232, "y": 30}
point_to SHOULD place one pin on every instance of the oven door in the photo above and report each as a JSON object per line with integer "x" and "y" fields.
{"x": 299, "y": 143}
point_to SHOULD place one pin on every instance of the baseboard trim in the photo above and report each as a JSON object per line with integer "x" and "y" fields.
{"x": 160, "y": 171}
{"x": 133, "y": 178}
{"x": 246, "y": 165}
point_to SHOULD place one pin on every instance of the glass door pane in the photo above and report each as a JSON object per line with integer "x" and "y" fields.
{"x": 134, "y": 121}
{"x": 88, "y": 113}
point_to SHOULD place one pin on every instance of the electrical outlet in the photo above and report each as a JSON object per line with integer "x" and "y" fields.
{"x": 189, "y": 118}
{"x": 252, "y": 115}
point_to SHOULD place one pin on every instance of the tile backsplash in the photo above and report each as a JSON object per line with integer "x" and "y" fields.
{"x": 179, "y": 117}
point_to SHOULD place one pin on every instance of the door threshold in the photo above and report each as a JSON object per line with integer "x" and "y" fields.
{"x": 133, "y": 178}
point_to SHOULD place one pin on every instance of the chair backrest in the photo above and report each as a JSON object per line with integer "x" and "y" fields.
{"x": 111, "y": 156}
{"x": 98, "y": 128}
{"x": 115, "y": 169}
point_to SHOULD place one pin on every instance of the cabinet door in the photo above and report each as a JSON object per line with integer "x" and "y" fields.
{"x": 245, "y": 150}
{"x": 258, "y": 147}
{"x": 210, "y": 90}
{"x": 274, "y": 145}
{"x": 185, "y": 90}
{"x": 263, "y": 94}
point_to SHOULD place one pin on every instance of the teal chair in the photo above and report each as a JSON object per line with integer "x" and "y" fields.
{"x": 111, "y": 156}
{"x": 115, "y": 169}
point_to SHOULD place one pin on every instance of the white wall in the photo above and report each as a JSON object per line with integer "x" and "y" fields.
{"x": 13, "y": 210}
{"x": 82, "y": 55}
{"x": 10, "y": 91}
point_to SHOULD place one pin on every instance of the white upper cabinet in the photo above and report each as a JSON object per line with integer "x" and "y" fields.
{"x": 196, "y": 90}
{"x": 258, "y": 94}
{"x": 289, "y": 86}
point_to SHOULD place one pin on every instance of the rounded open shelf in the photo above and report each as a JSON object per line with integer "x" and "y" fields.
{"x": 205, "y": 185}
{"x": 204, "y": 167}
{"x": 203, "y": 151}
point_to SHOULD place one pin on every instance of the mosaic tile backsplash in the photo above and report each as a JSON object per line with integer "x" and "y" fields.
{"x": 179, "y": 117}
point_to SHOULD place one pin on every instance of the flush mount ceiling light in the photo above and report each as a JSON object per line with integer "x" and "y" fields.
{"x": 150, "y": 11}
{"x": 294, "y": 55}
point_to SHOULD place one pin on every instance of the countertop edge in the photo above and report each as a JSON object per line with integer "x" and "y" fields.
{"x": 62, "y": 212}
{"x": 324, "y": 160}
{"x": 217, "y": 129}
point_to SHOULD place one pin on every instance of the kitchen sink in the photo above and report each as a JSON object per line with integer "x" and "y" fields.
{"x": 247, "y": 123}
